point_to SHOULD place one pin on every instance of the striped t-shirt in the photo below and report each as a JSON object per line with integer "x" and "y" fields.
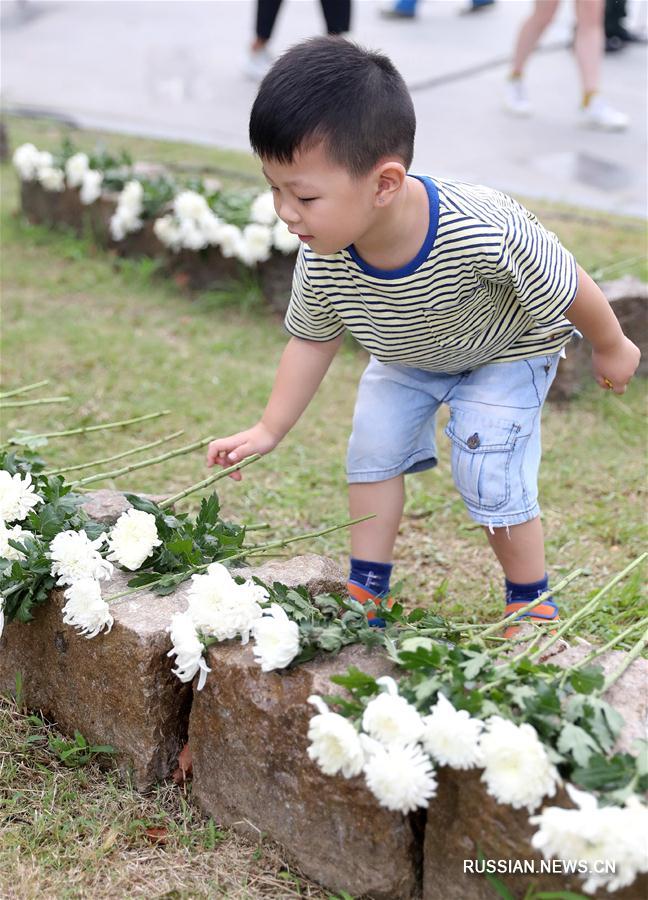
{"x": 489, "y": 284}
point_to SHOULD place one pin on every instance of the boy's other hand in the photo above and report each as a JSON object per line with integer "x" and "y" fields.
{"x": 230, "y": 450}
{"x": 614, "y": 366}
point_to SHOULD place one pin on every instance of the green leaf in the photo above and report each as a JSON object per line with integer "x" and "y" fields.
{"x": 603, "y": 774}
{"x": 357, "y": 682}
{"x": 577, "y": 742}
{"x": 587, "y": 680}
{"x": 473, "y": 666}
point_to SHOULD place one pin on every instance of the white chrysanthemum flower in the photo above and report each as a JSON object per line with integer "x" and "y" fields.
{"x": 52, "y": 178}
{"x": 390, "y": 719}
{"x": 592, "y": 834}
{"x": 86, "y": 609}
{"x": 187, "y": 649}
{"x": 74, "y": 557}
{"x": 517, "y": 768}
{"x": 211, "y": 226}
{"x": 16, "y": 533}
{"x": 276, "y": 639}
{"x": 335, "y": 744}
{"x": 230, "y": 240}
{"x": 167, "y": 231}
{"x": 221, "y": 608}
{"x": 400, "y": 776}
{"x": 262, "y": 210}
{"x": 17, "y": 496}
{"x": 256, "y": 244}
{"x": 133, "y": 538}
{"x": 90, "y": 187}
{"x": 283, "y": 239}
{"x": 127, "y": 216}
{"x": 131, "y": 196}
{"x": 451, "y": 736}
{"x": 75, "y": 169}
{"x": 191, "y": 235}
{"x": 190, "y": 205}
{"x": 26, "y": 160}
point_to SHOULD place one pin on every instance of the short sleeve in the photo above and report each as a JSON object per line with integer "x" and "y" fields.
{"x": 309, "y": 315}
{"x": 542, "y": 273}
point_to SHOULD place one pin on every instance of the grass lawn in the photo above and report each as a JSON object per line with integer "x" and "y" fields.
{"x": 121, "y": 342}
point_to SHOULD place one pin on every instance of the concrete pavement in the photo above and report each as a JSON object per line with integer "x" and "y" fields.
{"x": 174, "y": 69}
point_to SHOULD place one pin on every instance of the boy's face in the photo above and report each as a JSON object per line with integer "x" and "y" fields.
{"x": 321, "y": 201}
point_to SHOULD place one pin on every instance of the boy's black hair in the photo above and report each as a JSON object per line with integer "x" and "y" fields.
{"x": 330, "y": 89}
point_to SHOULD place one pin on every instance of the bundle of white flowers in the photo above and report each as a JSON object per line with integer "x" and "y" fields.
{"x": 335, "y": 744}
{"x": 187, "y": 649}
{"x": 132, "y": 539}
{"x": 91, "y": 187}
{"x": 517, "y": 768}
{"x": 29, "y": 162}
{"x": 17, "y": 496}
{"x": 77, "y": 562}
{"x": 52, "y": 178}
{"x": 127, "y": 217}
{"x": 593, "y": 834}
{"x": 390, "y": 719}
{"x": 75, "y": 168}
{"x": 262, "y": 212}
{"x": 451, "y": 736}
{"x": 276, "y": 639}
{"x": 192, "y": 224}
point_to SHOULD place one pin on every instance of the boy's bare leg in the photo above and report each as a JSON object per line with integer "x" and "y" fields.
{"x": 520, "y": 550}
{"x": 374, "y": 539}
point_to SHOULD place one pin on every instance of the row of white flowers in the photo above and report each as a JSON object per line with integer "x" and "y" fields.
{"x": 190, "y": 224}
{"x": 397, "y": 748}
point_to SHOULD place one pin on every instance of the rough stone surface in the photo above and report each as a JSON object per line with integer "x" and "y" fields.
{"x": 248, "y": 735}
{"x": 629, "y": 299}
{"x": 319, "y": 574}
{"x": 107, "y": 506}
{"x": 207, "y": 269}
{"x": 116, "y": 688}
{"x": 275, "y": 276}
{"x": 463, "y": 819}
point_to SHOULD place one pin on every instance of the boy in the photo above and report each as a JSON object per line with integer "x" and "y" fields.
{"x": 457, "y": 292}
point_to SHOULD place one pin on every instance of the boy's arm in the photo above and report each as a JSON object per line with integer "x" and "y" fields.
{"x": 301, "y": 369}
{"x": 614, "y": 356}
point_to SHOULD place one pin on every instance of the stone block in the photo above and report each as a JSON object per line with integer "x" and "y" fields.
{"x": 106, "y": 506}
{"x": 463, "y": 819}
{"x": 318, "y": 574}
{"x": 275, "y": 277}
{"x": 248, "y": 736}
{"x": 116, "y": 688}
{"x": 203, "y": 270}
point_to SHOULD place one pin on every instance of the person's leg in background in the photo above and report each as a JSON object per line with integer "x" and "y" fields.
{"x": 259, "y": 60}
{"x": 588, "y": 47}
{"x": 337, "y": 15}
{"x": 533, "y": 27}
{"x": 401, "y": 9}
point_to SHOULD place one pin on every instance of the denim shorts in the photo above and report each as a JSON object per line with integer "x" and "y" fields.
{"x": 494, "y": 430}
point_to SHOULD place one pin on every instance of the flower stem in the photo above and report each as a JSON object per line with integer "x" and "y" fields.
{"x": 100, "y": 462}
{"x": 14, "y": 404}
{"x": 599, "y": 651}
{"x": 589, "y": 606}
{"x": 87, "y": 428}
{"x": 23, "y": 390}
{"x": 207, "y": 481}
{"x": 145, "y": 463}
{"x": 515, "y": 617}
{"x": 627, "y": 662}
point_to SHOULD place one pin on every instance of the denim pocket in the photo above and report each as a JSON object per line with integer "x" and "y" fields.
{"x": 481, "y": 458}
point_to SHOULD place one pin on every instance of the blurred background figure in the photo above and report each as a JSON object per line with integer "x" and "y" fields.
{"x": 589, "y": 43}
{"x": 406, "y": 9}
{"x": 337, "y": 16}
{"x": 617, "y": 35}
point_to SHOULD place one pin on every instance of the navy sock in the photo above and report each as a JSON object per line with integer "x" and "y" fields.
{"x": 373, "y": 576}
{"x": 525, "y": 593}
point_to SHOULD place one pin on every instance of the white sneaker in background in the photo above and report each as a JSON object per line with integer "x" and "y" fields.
{"x": 258, "y": 64}
{"x": 599, "y": 114}
{"x": 515, "y": 98}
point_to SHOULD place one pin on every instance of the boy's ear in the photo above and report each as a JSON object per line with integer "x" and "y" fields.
{"x": 389, "y": 178}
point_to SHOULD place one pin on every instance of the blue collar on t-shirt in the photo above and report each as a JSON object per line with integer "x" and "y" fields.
{"x": 428, "y": 243}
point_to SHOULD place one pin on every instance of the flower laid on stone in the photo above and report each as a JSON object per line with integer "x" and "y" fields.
{"x": 2, "y": 617}
{"x": 52, "y": 178}
{"x": 283, "y": 239}
{"x": 256, "y": 244}
{"x": 517, "y": 769}
{"x": 74, "y": 557}
{"x": 451, "y": 735}
{"x": 400, "y": 776}
{"x": 192, "y": 225}
{"x": 76, "y": 167}
{"x": 390, "y": 719}
{"x": 28, "y": 161}
{"x": 276, "y": 639}
{"x": 85, "y": 608}
{"x": 15, "y": 533}
{"x": 91, "y": 187}
{"x": 221, "y": 608}
{"x": 262, "y": 210}
{"x": 17, "y": 496}
{"x": 187, "y": 649}
{"x": 593, "y": 834}
{"x": 132, "y": 539}
{"x": 127, "y": 217}
{"x": 335, "y": 744}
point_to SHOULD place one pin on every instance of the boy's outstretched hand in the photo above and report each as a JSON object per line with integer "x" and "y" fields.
{"x": 614, "y": 366}
{"x": 229, "y": 450}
